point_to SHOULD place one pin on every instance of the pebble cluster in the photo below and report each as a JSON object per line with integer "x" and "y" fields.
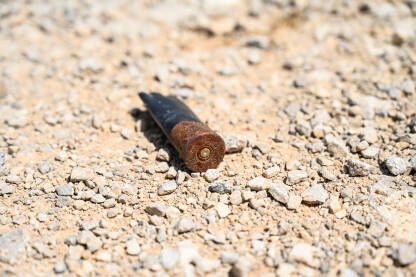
{"x": 316, "y": 102}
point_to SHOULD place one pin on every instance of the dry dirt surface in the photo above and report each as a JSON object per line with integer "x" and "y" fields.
{"x": 316, "y": 102}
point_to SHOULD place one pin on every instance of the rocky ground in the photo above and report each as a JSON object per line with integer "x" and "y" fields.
{"x": 315, "y": 99}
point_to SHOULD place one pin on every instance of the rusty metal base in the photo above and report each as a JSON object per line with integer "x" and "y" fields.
{"x": 199, "y": 146}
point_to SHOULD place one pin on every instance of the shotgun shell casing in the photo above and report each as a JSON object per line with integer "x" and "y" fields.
{"x": 199, "y": 146}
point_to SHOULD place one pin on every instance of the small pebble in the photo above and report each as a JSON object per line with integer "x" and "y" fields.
{"x": 396, "y": 165}
{"x": 59, "y": 267}
{"x": 185, "y": 225}
{"x": 65, "y": 190}
{"x": 211, "y": 175}
{"x": 223, "y": 210}
{"x": 169, "y": 258}
{"x": 81, "y": 174}
{"x": 167, "y": 188}
{"x": 258, "y": 183}
{"x": 316, "y": 194}
{"x": 405, "y": 254}
{"x": 296, "y": 176}
{"x": 132, "y": 247}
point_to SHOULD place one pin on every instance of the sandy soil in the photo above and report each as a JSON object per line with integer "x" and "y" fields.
{"x": 316, "y": 101}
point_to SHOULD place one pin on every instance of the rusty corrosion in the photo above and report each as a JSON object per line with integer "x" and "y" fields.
{"x": 199, "y": 146}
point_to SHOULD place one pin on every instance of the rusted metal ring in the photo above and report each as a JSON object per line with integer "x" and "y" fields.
{"x": 190, "y": 138}
{"x": 205, "y": 153}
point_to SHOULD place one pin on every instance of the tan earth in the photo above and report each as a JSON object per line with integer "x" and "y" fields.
{"x": 316, "y": 102}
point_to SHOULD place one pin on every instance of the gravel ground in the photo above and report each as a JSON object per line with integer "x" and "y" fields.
{"x": 316, "y": 102}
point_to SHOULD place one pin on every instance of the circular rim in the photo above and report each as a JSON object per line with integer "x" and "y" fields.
{"x": 209, "y": 140}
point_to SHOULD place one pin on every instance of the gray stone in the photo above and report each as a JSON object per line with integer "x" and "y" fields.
{"x": 90, "y": 65}
{"x": 162, "y": 167}
{"x": 359, "y": 168}
{"x": 413, "y": 162}
{"x": 185, "y": 225}
{"x": 59, "y": 267}
{"x": 13, "y": 246}
{"x": 84, "y": 236}
{"x": 303, "y": 253}
{"x": 227, "y": 257}
{"x": 13, "y": 179}
{"x": 206, "y": 265}
{"x": 169, "y": 258}
{"x": 53, "y": 226}
{"x": 71, "y": 240}
{"x": 44, "y": 167}
{"x": 109, "y": 203}
{"x": 73, "y": 256}
{"x": 292, "y": 109}
{"x": 335, "y": 147}
{"x": 18, "y": 219}
{"x": 258, "y": 245}
{"x": 296, "y": 176}
{"x": 81, "y": 174}
{"x": 2, "y": 159}
{"x": 211, "y": 175}
{"x": 303, "y": 128}
{"x": 253, "y": 57}
{"x": 327, "y": 174}
{"x": 61, "y": 156}
{"x": 404, "y": 29}
{"x": 404, "y": 254}
{"x": 358, "y": 217}
{"x": 17, "y": 118}
{"x": 383, "y": 186}
{"x": 89, "y": 225}
{"x": 94, "y": 244}
{"x": 187, "y": 252}
{"x": 396, "y": 165}
{"x": 171, "y": 174}
{"x": 347, "y": 193}
{"x": 315, "y": 147}
{"x": 126, "y": 133}
{"x": 408, "y": 87}
{"x": 41, "y": 217}
{"x": 370, "y": 135}
{"x": 220, "y": 187}
{"x": 222, "y": 210}
{"x": 236, "y": 198}
{"x": 97, "y": 198}
{"x": 285, "y": 269}
{"x": 271, "y": 171}
{"x": 370, "y": 153}
{"x": 376, "y": 228}
{"x": 132, "y": 247}
{"x": 294, "y": 201}
{"x": 258, "y": 183}
{"x": 113, "y": 212}
{"x": 156, "y": 209}
{"x": 280, "y": 192}
{"x": 347, "y": 272}
{"x": 6, "y": 188}
{"x": 234, "y": 143}
{"x": 163, "y": 155}
{"x": 184, "y": 93}
{"x": 316, "y": 194}
{"x": 167, "y": 188}
{"x": 65, "y": 190}
{"x": 161, "y": 235}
